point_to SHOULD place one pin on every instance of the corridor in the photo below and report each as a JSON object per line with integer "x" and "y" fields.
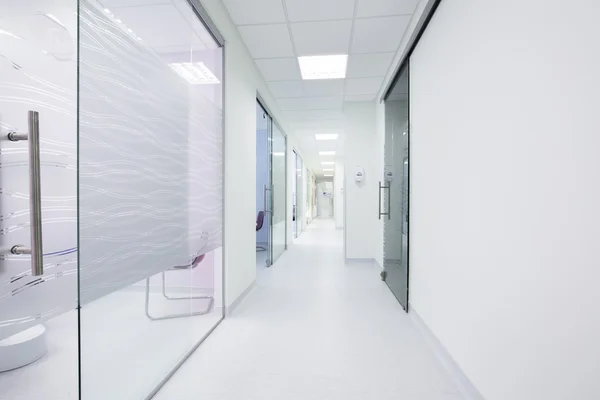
{"x": 314, "y": 328}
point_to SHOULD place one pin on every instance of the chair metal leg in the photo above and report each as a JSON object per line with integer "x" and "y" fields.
{"x": 172, "y": 316}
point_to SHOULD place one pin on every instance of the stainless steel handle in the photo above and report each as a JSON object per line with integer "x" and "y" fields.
{"x": 379, "y": 201}
{"x": 388, "y": 213}
{"x": 35, "y": 195}
{"x": 265, "y": 199}
{"x": 389, "y": 210}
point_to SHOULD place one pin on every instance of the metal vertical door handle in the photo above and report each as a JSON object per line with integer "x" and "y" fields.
{"x": 389, "y": 210}
{"x": 265, "y": 200}
{"x": 35, "y": 195}
{"x": 388, "y": 213}
{"x": 379, "y": 202}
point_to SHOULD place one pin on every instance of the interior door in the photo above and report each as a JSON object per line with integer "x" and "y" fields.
{"x": 278, "y": 192}
{"x": 38, "y": 199}
{"x": 394, "y": 191}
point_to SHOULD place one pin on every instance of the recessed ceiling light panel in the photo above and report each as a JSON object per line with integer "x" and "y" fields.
{"x": 195, "y": 73}
{"x": 326, "y": 136}
{"x": 323, "y": 67}
{"x": 327, "y": 162}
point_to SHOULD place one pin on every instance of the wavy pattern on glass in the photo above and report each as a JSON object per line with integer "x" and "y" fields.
{"x": 34, "y": 77}
{"x": 150, "y": 165}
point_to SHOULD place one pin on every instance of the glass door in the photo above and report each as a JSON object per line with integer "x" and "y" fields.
{"x": 278, "y": 157}
{"x": 38, "y": 200}
{"x": 111, "y": 169}
{"x": 394, "y": 190}
{"x": 264, "y": 145}
{"x": 299, "y": 195}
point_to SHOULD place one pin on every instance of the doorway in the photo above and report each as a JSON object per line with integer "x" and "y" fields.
{"x": 271, "y": 187}
{"x": 394, "y": 189}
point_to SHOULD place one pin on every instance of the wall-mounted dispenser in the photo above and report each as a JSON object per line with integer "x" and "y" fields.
{"x": 359, "y": 174}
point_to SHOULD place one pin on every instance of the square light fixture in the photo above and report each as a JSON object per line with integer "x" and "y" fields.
{"x": 327, "y": 153}
{"x": 327, "y": 162}
{"x": 326, "y": 136}
{"x": 323, "y": 67}
{"x": 195, "y": 73}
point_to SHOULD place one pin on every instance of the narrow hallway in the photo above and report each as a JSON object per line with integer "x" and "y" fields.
{"x": 314, "y": 328}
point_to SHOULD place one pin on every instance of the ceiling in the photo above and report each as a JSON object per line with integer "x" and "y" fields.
{"x": 276, "y": 32}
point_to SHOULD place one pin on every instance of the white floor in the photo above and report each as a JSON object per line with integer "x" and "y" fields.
{"x": 314, "y": 328}
{"x": 124, "y": 354}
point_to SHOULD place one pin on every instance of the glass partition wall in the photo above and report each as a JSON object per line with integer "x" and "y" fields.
{"x": 394, "y": 189}
{"x": 278, "y": 192}
{"x": 111, "y": 168}
{"x": 264, "y": 142}
{"x": 271, "y": 189}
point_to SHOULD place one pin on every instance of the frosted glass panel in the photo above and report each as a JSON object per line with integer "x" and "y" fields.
{"x": 150, "y": 193}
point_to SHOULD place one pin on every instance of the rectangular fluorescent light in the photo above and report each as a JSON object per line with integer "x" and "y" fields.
{"x": 326, "y": 136}
{"x": 327, "y": 169}
{"x": 281, "y": 154}
{"x": 327, "y": 162}
{"x": 195, "y": 73}
{"x": 328, "y": 175}
{"x": 327, "y": 153}
{"x": 323, "y": 67}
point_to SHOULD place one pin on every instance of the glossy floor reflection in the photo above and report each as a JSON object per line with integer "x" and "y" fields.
{"x": 314, "y": 328}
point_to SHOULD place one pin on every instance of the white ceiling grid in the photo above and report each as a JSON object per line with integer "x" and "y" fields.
{"x": 276, "y": 32}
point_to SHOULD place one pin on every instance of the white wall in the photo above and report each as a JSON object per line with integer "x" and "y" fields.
{"x": 504, "y": 209}
{"x": 361, "y": 148}
{"x": 242, "y": 82}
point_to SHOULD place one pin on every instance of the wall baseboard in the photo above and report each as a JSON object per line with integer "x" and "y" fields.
{"x": 230, "y": 309}
{"x": 464, "y": 385}
{"x": 359, "y": 260}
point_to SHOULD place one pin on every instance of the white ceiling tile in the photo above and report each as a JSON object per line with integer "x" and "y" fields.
{"x": 360, "y": 97}
{"x": 286, "y": 88}
{"x": 279, "y": 69}
{"x": 317, "y": 115}
{"x": 245, "y": 12}
{"x": 319, "y": 10}
{"x": 369, "y": 65}
{"x": 378, "y": 8}
{"x": 324, "y": 87}
{"x": 315, "y": 38}
{"x": 360, "y": 86}
{"x": 144, "y": 20}
{"x": 375, "y": 35}
{"x": 310, "y": 103}
{"x": 266, "y": 41}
